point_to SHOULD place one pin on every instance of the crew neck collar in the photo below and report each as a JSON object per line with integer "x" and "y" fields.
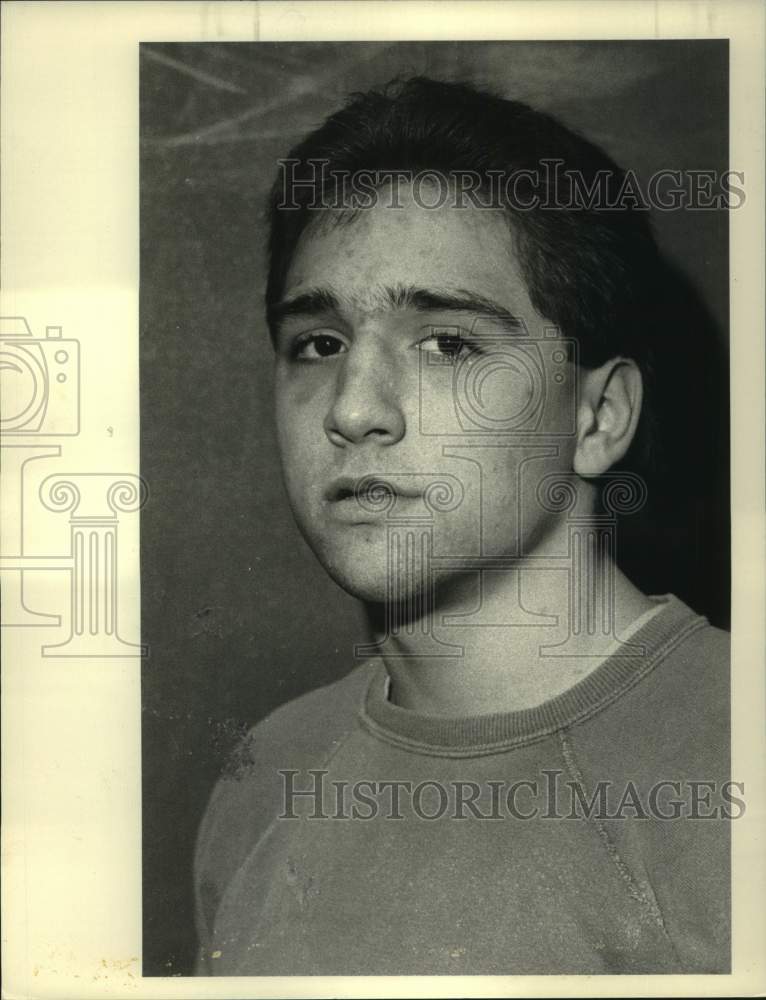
{"x": 454, "y": 736}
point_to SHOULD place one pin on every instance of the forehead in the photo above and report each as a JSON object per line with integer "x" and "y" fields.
{"x": 465, "y": 248}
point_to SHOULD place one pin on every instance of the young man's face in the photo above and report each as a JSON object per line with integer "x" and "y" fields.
{"x": 409, "y": 351}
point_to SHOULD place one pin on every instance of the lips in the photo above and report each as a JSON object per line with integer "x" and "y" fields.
{"x": 368, "y": 487}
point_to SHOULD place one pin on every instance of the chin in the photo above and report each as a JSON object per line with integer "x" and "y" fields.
{"x": 368, "y": 590}
{"x": 358, "y": 559}
{"x": 366, "y": 575}
{"x": 366, "y": 580}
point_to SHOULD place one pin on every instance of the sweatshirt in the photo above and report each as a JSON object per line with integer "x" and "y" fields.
{"x": 589, "y": 834}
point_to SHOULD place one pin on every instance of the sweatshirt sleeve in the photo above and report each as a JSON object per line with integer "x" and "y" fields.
{"x": 246, "y": 799}
{"x": 239, "y": 808}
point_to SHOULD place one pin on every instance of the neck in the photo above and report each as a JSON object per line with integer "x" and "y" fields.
{"x": 500, "y": 641}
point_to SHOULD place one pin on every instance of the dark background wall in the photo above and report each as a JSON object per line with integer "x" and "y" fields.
{"x": 237, "y": 615}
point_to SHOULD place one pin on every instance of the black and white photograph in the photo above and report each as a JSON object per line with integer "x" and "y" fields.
{"x": 434, "y": 393}
{"x": 383, "y": 490}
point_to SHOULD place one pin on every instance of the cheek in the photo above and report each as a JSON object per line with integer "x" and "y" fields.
{"x": 496, "y": 394}
{"x": 296, "y": 454}
{"x": 485, "y": 393}
{"x": 299, "y": 415}
{"x": 510, "y": 477}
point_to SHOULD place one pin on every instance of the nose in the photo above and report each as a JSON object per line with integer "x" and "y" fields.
{"x": 365, "y": 405}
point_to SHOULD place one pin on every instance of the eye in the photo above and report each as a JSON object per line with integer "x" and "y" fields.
{"x": 317, "y": 347}
{"x": 450, "y": 344}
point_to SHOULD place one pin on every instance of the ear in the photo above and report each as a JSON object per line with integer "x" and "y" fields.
{"x": 607, "y": 415}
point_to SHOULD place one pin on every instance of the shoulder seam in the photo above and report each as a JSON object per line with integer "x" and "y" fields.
{"x": 635, "y": 890}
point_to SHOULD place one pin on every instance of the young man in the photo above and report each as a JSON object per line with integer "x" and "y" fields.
{"x": 528, "y": 774}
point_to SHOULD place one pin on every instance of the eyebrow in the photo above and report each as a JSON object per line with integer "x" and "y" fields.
{"x": 320, "y": 300}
